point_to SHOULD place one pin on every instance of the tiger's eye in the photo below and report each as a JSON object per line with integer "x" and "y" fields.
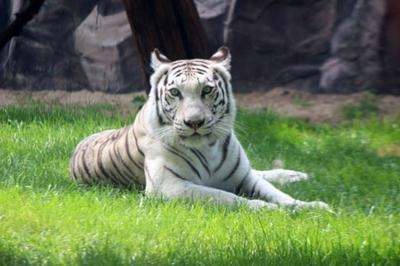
{"x": 174, "y": 92}
{"x": 207, "y": 90}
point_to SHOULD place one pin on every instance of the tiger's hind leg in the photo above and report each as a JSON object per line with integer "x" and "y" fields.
{"x": 281, "y": 176}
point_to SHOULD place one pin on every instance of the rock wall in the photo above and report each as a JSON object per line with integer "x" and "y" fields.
{"x": 43, "y": 56}
{"x": 354, "y": 60}
{"x": 105, "y": 46}
{"x": 279, "y": 42}
{"x": 316, "y": 45}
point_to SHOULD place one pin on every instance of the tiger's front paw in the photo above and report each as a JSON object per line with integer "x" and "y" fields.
{"x": 259, "y": 204}
{"x": 311, "y": 205}
{"x": 289, "y": 176}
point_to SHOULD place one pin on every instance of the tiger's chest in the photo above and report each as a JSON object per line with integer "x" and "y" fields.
{"x": 207, "y": 166}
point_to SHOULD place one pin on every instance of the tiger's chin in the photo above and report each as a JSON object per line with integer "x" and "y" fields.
{"x": 196, "y": 140}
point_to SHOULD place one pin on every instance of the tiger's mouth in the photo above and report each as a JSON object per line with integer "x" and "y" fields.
{"x": 195, "y": 140}
{"x": 194, "y": 136}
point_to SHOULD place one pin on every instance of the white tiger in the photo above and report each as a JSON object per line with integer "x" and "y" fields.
{"x": 182, "y": 143}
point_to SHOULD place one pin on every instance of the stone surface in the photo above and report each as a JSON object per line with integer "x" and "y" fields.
{"x": 43, "y": 56}
{"x": 213, "y": 14}
{"x": 354, "y": 62}
{"x": 6, "y": 11}
{"x": 105, "y": 46}
{"x": 279, "y": 42}
{"x": 318, "y": 45}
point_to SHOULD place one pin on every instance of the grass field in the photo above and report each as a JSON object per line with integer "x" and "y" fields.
{"x": 45, "y": 219}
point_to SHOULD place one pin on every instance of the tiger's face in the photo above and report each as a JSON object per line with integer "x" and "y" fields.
{"x": 193, "y": 99}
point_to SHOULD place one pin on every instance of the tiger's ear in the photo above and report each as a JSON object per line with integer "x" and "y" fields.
{"x": 223, "y": 57}
{"x": 158, "y": 59}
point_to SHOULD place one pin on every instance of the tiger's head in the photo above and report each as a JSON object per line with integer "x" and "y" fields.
{"x": 192, "y": 99}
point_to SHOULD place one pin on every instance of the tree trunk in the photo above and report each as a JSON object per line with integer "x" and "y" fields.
{"x": 22, "y": 18}
{"x": 390, "y": 49}
{"x": 172, "y": 26}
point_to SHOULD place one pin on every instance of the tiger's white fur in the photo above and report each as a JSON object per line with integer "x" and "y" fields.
{"x": 182, "y": 143}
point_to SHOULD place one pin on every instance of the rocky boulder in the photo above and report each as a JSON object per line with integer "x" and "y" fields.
{"x": 354, "y": 60}
{"x": 43, "y": 56}
{"x": 279, "y": 42}
{"x": 105, "y": 46}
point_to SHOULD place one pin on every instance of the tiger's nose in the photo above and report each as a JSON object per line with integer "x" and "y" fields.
{"x": 195, "y": 124}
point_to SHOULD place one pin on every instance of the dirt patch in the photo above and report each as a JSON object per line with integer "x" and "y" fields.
{"x": 293, "y": 103}
{"x": 389, "y": 150}
{"x": 318, "y": 107}
{"x": 123, "y": 102}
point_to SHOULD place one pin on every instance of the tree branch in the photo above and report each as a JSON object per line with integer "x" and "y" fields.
{"x": 22, "y": 18}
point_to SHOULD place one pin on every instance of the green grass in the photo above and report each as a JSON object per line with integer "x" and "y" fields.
{"x": 45, "y": 219}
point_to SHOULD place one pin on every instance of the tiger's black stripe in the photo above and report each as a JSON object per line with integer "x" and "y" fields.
{"x": 178, "y": 65}
{"x": 200, "y": 71}
{"x": 178, "y": 73}
{"x": 202, "y": 160}
{"x": 253, "y": 188}
{"x": 131, "y": 173}
{"x": 111, "y": 153}
{"x": 224, "y": 94}
{"x": 85, "y": 166}
{"x": 73, "y": 170}
{"x": 174, "y": 173}
{"x": 239, "y": 187}
{"x": 200, "y": 63}
{"x": 100, "y": 165}
{"x": 119, "y": 171}
{"x": 224, "y": 153}
{"x": 194, "y": 169}
{"x": 234, "y": 168}
{"x": 81, "y": 172}
{"x": 167, "y": 99}
{"x": 160, "y": 120}
{"x": 225, "y": 90}
{"x": 201, "y": 155}
{"x": 128, "y": 152}
{"x": 165, "y": 80}
{"x": 136, "y": 143}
